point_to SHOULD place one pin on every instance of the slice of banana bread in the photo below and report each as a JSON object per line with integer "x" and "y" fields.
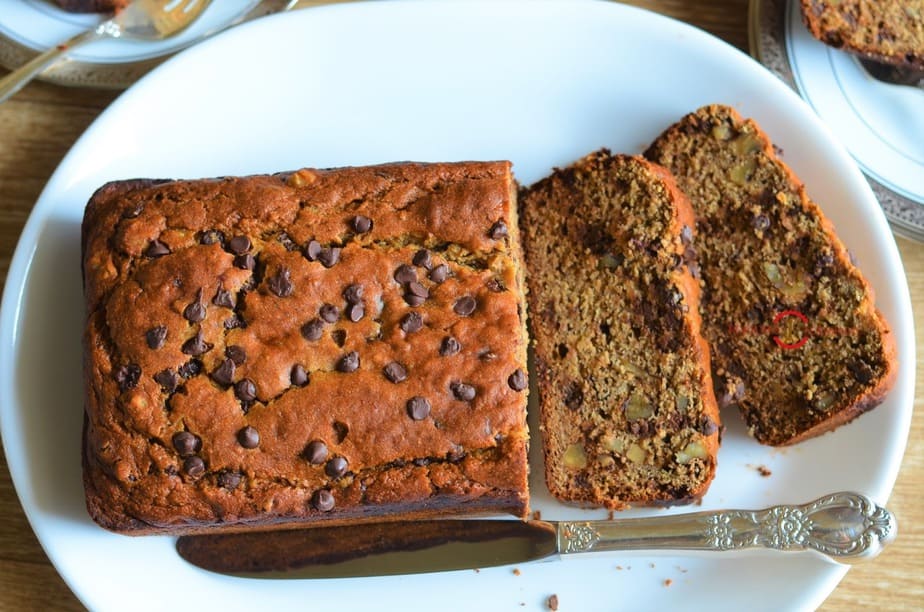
{"x": 890, "y": 31}
{"x": 628, "y": 414}
{"x": 796, "y": 341}
{"x": 92, "y": 6}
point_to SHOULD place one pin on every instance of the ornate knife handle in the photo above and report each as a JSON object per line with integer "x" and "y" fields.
{"x": 845, "y": 527}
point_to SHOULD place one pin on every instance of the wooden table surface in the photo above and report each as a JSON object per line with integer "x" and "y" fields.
{"x": 39, "y": 125}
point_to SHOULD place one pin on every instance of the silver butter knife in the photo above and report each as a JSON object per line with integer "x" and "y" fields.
{"x": 843, "y": 527}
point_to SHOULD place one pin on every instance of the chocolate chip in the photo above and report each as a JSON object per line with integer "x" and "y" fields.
{"x": 236, "y": 353}
{"x": 415, "y": 288}
{"x": 315, "y": 452}
{"x": 498, "y": 230}
{"x": 708, "y": 426}
{"x": 353, "y": 294}
{"x": 395, "y": 372}
{"x": 405, "y": 274}
{"x": 761, "y": 222}
{"x": 186, "y": 443}
{"x": 329, "y": 256}
{"x": 449, "y": 346}
{"x": 336, "y": 467}
{"x": 234, "y": 322}
{"x": 465, "y": 306}
{"x": 211, "y": 237}
{"x": 355, "y": 312}
{"x": 313, "y": 330}
{"x": 196, "y": 346}
{"x": 423, "y": 259}
{"x": 245, "y": 390}
{"x": 418, "y": 408}
{"x": 573, "y": 395}
{"x": 686, "y": 235}
{"x": 439, "y": 274}
{"x": 361, "y": 224}
{"x": 229, "y": 480}
{"x": 412, "y": 322}
{"x": 127, "y": 376}
{"x": 339, "y": 337}
{"x": 413, "y": 300}
{"x": 281, "y": 284}
{"x": 496, "y": 285}
{"x": 157, "y": 249}
{"x": 194, "y": 466}
{"x": 329, "y": 313}
{"x": 248, "y": 437}
{"x": 312, "y": 250}
{"x": 517, "y": 380}
{"x": 195, "y": 311}
{"x": 298, "y": 376}
{"x": 487, "y": 355}
{"x": 156, "y": 336}
{"x": 862, "y": 373}
{"x": 239, "y": 245}
{"x": 224, "y": 374}
{"x": 191, "y": 368}
{"x": 462, "y": 391}
{"x": 323, "y": 500}
{"x": 349, "y": 362}
{"x": 245, "y": 261}
{"x": 167, "y": 379}
{"x": 223, "y": 298}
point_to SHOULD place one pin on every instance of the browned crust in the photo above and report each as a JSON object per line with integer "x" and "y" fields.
{"x": 484, "y": 480}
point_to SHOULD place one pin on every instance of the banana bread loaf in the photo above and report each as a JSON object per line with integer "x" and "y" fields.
{"x": 889, "y": 31}
{"x": 319, "y": 346}
{"x": 797, "y": 343}
{"x": 628, "y": 414}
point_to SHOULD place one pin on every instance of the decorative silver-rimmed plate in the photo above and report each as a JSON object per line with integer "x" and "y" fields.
{"x": 881, "y": 125}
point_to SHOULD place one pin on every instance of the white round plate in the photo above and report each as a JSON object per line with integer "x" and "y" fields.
{"x": 537, "y": 83}
{"x": 28, "y": 27}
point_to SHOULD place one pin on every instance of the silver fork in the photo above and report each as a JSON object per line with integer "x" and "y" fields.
{"x": 142, "y": 20}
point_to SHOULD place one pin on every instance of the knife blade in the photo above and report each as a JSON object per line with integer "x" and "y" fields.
{"x": 842, "y": 527}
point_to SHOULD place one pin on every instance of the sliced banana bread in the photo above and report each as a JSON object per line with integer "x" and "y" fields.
{"x": 628, "y": 415}
{"x": 796, "y": 341}
{"x": 890, "y": 31}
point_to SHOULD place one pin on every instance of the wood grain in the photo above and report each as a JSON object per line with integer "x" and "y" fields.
{"x": 42, "y": 122}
